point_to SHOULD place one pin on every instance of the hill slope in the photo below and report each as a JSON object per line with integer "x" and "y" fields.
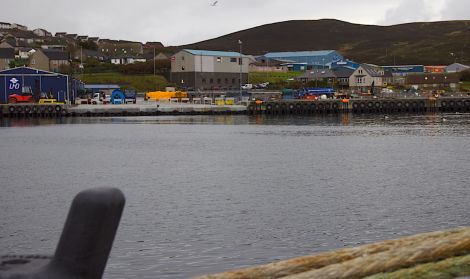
{"x": 412, "y": 43}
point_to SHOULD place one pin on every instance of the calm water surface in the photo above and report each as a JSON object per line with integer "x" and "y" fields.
{"x": 211, "y": 193}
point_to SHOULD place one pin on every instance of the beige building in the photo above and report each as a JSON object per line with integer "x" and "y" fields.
{"x": 49, "y": 60}
{"x": 205, "y": 69}
{"x": 367, "y": 76}
{"x": 6, "y": 56}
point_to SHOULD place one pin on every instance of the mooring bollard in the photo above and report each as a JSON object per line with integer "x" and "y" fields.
{"x": 84, "y": 245}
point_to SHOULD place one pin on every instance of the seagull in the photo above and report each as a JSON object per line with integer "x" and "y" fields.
{"x": 215, "y": 3}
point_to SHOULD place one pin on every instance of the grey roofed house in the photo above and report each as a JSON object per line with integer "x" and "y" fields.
{"x": 316, "y": 74}
{"x": 7, "y": 53}
{"x": 373, "y": 70}
{"x": 54, "y": 54}
{"x": 343, "y": 72}
{"x": 456, "y": 67}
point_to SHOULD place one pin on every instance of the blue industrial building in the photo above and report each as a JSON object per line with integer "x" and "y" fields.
{"x": 344, "y": 64}
{"x": 404, "y": 70}
{"x": 306, "y": 60}
{"x": 39, "y": 83}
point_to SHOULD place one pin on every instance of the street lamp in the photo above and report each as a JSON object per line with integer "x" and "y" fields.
{"x": 241, "y": 65}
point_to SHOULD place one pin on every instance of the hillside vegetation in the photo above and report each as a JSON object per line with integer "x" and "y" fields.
{"x": 429, "y": 43}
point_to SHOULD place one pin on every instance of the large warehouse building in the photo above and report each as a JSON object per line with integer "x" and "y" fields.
{"x": 204, "y": 69}
{"x": 311, "y": 59}
{"x": 39, "y": 83}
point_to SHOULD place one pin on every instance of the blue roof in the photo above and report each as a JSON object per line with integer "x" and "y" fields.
{"x": 102, "y": 86}
{"x": 27, "y": 71}
{"x": 299, "y": 53}
{"x": 212, "y": 53}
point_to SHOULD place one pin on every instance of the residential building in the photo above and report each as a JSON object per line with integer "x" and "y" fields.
{"x": 19, "y": 26}
{"x": 113, "y": 48}
{"x": 369, "y": 78}
{"x": 5, "y": 25}
{"x": 60, "y": 34}
{"x": 82, "y": 38}
{"x": 42, "y": 32}
{"x": 25, "y": 52}
{"x": 312, "y": 59}
{"x": 15, "y": 44}
{"x": 94, "y": 39}
{"x": 6, "y": 56}
{"x": 433, "y": 81}
{"x": 206, "y": 69}
{"x": 456, "y": 67}
{"x": 337, "y": 77}
{"x": 49, "y": 60}
{"x": 83, "y": 54}
{"x": 125, "y": 59}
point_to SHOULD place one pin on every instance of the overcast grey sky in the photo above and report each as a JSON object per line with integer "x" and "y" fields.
{"x": 176, "y": 22}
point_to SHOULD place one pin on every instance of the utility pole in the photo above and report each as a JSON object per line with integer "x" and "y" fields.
{"x": 241, "y": 65}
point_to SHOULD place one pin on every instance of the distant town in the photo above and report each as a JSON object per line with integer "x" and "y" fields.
{"x": 198, "y": 69}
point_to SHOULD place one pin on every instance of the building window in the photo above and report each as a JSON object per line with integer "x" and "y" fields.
{"x": 182, "y": 58}
{"x": 211, "y": 81}
{"x": 182, "y": 68}
{"x": 240, "y": 61}
{"x": 233, "y": 81}
{"x": 219, "y": 59}
{"x": 226, "y": 81}
{"x": 204, "y": 80}
{"x": 33, "y": 61}
{"x": 233, "y": 59}
{"x": 218, "y": 81}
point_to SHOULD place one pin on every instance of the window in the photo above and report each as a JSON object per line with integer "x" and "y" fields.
{"x": 182, "y": 58}
{"x": 233, "y": 59}
{"x": 182, "y": 68}
{"x": 233, "y": 81}
{"x": 211, "y": 81}
{"x": 33, "y": 61}
{"x": 218, "y": 81}
{"x": 226, "y": 80}
{"x": 219, "y": 59}
{"x": 204, "y": 80}
{"x": 240, "y": 61}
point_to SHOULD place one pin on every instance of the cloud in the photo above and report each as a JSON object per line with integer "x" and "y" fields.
{"x": 412, "y": 11}
{"x": 456, "y": 9}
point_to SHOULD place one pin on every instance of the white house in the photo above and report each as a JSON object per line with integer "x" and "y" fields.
{"x": 367, "y": 76}
{"x": 42, "y": 32}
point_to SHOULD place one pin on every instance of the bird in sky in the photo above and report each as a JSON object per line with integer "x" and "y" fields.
{"x": 215, "y": 3}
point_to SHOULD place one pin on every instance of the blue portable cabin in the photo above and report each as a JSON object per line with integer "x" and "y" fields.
{"x": 38, "y": 82}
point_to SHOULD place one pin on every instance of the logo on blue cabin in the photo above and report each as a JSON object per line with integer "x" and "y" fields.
{"x": 14, "y": 84}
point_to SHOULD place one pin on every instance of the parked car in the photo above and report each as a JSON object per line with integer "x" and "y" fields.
{"x": 21, "y": 98}
{"x": 247, "y": 86}
{"x": 131, "y": 96}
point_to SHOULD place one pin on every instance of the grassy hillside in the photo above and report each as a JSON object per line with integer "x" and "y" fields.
{"x": 271, "y": 77}
{"x": 412, "y": 43}
{"x": 140, "y": 83}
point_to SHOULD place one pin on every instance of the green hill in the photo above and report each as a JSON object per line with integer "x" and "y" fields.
{"x": 426, "y": 43}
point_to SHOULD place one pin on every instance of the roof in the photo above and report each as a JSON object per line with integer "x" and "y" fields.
{"x": 7, "y": 53}
{"x": 432, "y": 78}
{"x": 27, "y": 71}
{"x": 318, "y": 73}
{"x": 299, "y": 53}
{"x": 343, "y": 72}
{"x": 212, "y": 53}
{"x": 54, "y": 54}
{"x": 373, "y": 70}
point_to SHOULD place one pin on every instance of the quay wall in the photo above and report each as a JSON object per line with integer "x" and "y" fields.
{"x": 280, "y": 107}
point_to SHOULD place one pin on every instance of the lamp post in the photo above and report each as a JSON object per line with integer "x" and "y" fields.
{"x": 241, "y": 65}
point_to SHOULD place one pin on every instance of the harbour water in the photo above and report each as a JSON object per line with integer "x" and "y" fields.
{"x": 212, "y": 193}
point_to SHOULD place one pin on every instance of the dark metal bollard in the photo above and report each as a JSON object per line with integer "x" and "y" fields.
{"x": 84, "y": 245}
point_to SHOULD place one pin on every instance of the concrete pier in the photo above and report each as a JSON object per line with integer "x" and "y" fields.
{"x": 279, "y": 107}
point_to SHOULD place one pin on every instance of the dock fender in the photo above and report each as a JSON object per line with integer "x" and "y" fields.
{"x": 34, "y": 109}
{"x": 443, "y": 104}
{"x": 355, "y": 105}
{"x": 50, "y": 108}
{"x": 11, "y": 109}
{"x": 58, "y": 108}
{"x": 370, "y": 104}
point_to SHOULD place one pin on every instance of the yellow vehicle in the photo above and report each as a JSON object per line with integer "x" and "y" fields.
{"x": 50, "y": 101}
{"x": 165, "y": 95}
